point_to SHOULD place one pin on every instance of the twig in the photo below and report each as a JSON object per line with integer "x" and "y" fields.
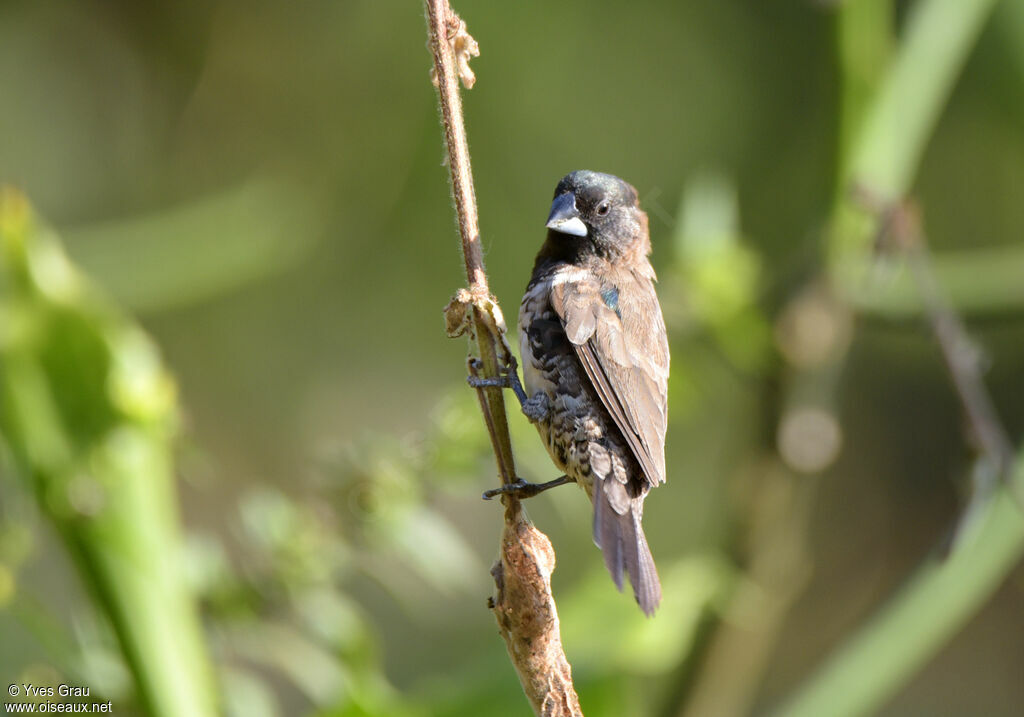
{"x": 528, "y": 620}
{"x": 524, "y": 606}
{"x": 931, "y": 607}
{"x": 445, "y": 30}
{"x": 940, "y": 597}
{"x": 900, "y": 226}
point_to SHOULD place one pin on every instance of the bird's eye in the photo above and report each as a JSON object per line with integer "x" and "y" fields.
{"x": 603, "y": 208}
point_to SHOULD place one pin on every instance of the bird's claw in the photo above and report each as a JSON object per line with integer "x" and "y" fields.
{"x": 524, "y": 489}
{"x": 509, "y": 488}
{"x": 508, "y": 379}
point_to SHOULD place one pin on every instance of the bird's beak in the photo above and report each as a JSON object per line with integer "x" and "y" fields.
{"x": 564, "y": 218}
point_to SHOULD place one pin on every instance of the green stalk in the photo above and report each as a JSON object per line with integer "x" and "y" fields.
{"x": 882, "y": 161}
{"x": 888, "y": 141}
{"x": 88, "y": 413}
{"x": 939, "y": 599}
{"x": 865, "y": 44}
{"x": 939, "y": 36}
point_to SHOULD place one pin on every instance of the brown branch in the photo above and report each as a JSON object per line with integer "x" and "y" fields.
{"x": 962, "y": 357}
{"x": 900, "y": 228}
{"x": 446, "y": 32}
{"x": 528, "y": 620}
{"x": 524, "y": 606}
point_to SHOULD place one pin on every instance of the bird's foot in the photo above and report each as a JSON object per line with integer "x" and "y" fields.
{"x": 523, "y": 489}
{"x": 484, "y": 382}
{"x": 536, "y": 408}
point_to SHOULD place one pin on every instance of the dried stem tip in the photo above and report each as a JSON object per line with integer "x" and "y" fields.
{"x": 528, "y": 620}
{"x": 464, "y": 48}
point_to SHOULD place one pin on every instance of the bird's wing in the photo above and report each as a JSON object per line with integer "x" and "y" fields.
{"x": 623, "y": 347}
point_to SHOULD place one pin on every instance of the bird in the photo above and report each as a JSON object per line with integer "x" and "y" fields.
{"x": 595, "y": 360}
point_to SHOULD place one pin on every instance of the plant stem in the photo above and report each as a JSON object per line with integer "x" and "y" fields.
{"x": 942, "y": 595}
{"x": 441, "y": 21}
{"x": 939, "y": 35}
{"x": 939, "y": 599}
{"x": 88, "y": 413}
{"x": 893, "y": 133}
{"x": 524, "y": 606}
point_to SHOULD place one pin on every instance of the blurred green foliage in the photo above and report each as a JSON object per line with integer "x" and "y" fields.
{"x": 242, "y": 233}
{"x": 87, "y": 413}
{"x": 261, "y": 183}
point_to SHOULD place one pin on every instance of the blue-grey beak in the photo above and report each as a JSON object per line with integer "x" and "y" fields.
{"x": 564, "y": 218}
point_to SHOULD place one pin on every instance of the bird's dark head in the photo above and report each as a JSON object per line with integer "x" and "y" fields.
{"x": 598, "y": 213}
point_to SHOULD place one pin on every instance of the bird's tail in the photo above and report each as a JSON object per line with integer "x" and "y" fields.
{"x": 619, "y": 534}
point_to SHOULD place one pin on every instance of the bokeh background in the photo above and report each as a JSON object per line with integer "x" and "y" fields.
{"x": 261, "y": 187}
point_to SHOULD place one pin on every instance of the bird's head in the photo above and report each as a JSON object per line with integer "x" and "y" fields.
{"x": 599, "y": 211}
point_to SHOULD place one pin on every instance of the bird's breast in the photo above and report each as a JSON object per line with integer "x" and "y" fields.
{"x": 534, "y": 308}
